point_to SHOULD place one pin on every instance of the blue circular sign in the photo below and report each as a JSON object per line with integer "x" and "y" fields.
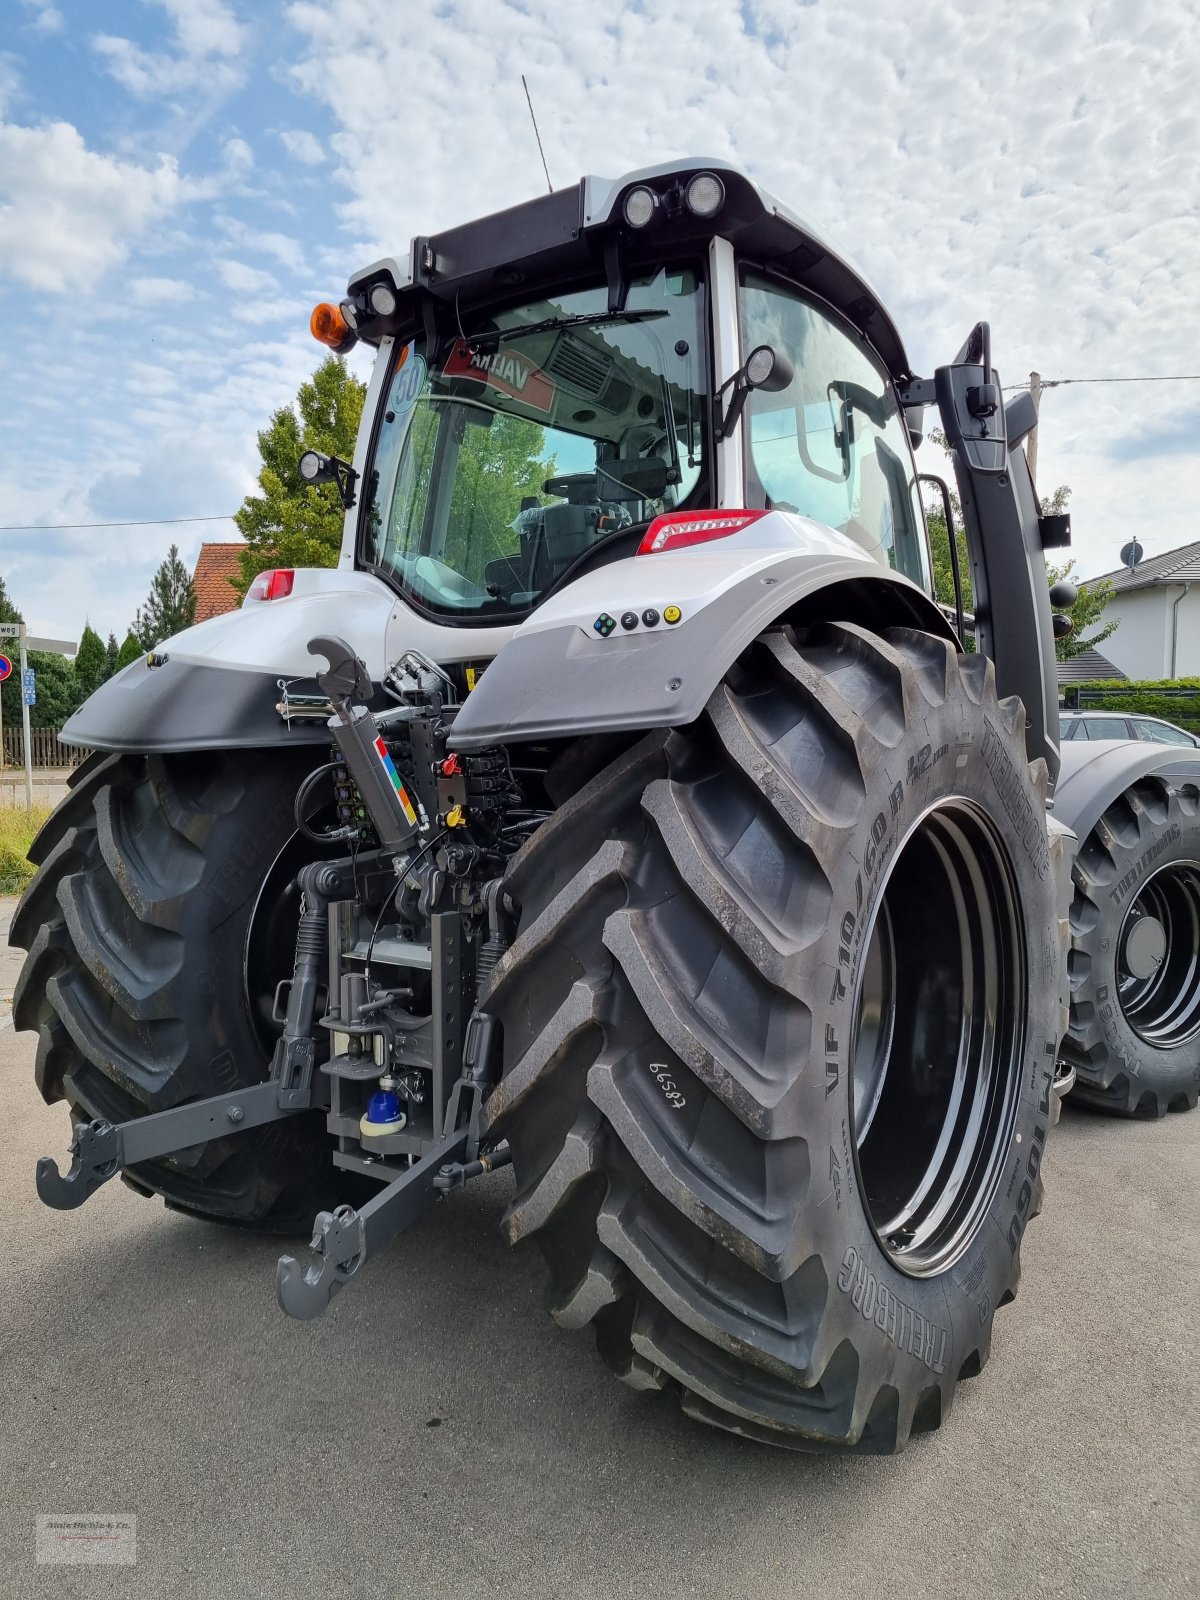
{"x": 5, "y": 668}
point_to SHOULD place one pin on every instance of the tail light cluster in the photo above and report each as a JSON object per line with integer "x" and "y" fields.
{"x": 274, "y": 584}
{"x": 677, "y": 529}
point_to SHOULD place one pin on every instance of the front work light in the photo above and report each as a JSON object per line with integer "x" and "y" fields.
{"x": 704, "y": 195}
{"x": 640, "y": 205}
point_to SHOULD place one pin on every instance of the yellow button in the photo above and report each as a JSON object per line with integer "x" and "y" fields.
{"x": 671, "y": 613}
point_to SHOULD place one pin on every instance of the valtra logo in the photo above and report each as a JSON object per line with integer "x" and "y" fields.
{"x": 505, "y": 370}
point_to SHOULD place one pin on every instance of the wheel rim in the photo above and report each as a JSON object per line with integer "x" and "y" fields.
{"x": 939, "y": 1015}
{"x": 1158, "y": 957}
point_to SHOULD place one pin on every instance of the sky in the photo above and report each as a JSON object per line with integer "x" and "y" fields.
{"x": 182, "y": 180}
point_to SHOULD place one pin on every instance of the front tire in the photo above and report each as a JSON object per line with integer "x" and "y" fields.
{"x": 780, "y": 1025}
{"x": 157, "y": 927}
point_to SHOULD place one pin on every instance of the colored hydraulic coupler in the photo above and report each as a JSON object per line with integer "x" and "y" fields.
{"x": 356, "y": 734}
{"x": 383, "y": 1113}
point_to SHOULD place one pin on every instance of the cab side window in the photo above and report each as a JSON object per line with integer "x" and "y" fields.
{"x": 833, "y": 445}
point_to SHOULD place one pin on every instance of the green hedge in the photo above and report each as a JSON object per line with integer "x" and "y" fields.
{"x": 1176, "y": 700}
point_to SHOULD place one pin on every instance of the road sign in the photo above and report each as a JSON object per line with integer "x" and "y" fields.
{"x": 5, "y": 668}
{"x": 29, "y": 686}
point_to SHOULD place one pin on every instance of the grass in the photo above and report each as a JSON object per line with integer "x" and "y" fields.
{"x": 18, "y": 826}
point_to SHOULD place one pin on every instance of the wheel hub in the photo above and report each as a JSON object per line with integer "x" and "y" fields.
{"x": 1158, "y": 957}
{"x": 1145, "y": 945}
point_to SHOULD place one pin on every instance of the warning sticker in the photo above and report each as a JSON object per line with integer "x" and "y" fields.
{"x": 507, "y": 371}
{"x": 407, "y": 386}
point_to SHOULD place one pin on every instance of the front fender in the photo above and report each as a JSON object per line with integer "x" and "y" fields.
{"x": 562, "y": 675}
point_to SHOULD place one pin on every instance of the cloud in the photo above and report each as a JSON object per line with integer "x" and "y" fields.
{"x": 46, "y": 18}
{"x": 68, "y": 214}
{"x": 209, "y": 38}
{"x": 303, "y": 146}
{"x": 1021, "y": 164}
{"x": 236, "y": 275}
{"x": 239, "y": 158}
{"x": 161, "y": 291}
{"x": 280, "y": 246}
{"x": 10, "y": 81}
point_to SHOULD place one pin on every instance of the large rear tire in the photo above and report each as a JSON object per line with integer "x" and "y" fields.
{"x": 1134, "y": 1037}
{"x": 157, "y": 928}
{"x": 780, "y": 1025}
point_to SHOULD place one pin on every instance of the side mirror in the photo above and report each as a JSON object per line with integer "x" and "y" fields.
{"x": 765, "y": 368}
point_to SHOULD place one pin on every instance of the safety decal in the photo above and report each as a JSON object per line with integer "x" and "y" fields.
{"x": 407, "y": 386}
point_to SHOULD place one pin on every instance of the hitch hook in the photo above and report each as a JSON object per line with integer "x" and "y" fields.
{"x": 96, "y": 1156}
{"x": 337, "y": 1249}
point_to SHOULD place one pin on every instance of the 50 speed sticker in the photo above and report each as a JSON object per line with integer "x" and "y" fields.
{"x": 407, "y": 385}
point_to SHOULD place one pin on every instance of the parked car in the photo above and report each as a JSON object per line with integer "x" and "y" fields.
{"x": 1122, "y": 725}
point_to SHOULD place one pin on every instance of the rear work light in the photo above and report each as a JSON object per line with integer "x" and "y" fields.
{"x": 272, "y": 585}
{"x": 680, "y": 528}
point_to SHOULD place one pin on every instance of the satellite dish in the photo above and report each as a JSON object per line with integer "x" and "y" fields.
{"x": 1131, "y": 554}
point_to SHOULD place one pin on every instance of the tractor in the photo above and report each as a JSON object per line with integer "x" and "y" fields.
{"x": 625, "y": 808}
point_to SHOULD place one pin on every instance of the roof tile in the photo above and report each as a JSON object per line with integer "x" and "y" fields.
{"x": 215, "y": 566}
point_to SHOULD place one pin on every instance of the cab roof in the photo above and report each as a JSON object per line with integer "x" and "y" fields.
{"x": 581, "y": 229}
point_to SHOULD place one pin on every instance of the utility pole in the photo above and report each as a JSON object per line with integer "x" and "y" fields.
{"x": 25, "y": 722}
{"x": 1035, "y": 393}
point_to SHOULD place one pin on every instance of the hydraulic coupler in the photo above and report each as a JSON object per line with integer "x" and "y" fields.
{"x": 372, "y": 770}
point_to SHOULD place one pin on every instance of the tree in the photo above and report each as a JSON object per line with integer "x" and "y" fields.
{"x": 170, "y": 606}
{"x": 112, "y": 654}
{"x": 57, "y": 692}
{"x": 1093, "y": 597}
{"x": 90, "y": 662}
{"x": 1087, "y": 608}
{"x": 293, "y": 523}
{"x": 8, "y": 611}
{"x": 131, "y": 650}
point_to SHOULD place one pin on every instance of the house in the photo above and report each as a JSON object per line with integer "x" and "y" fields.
{"x": 1086, "y": 666}
{"x": 1157, "y": 603}
{"x": 215, "y": 566}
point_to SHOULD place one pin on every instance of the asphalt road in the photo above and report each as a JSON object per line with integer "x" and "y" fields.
{"x": 436, "y": 1435}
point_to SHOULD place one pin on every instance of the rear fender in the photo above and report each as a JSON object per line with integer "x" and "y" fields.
{"x": 216, "y": 685}
{"x": 1096, "y": 772}
{"x": 566, "y": 671}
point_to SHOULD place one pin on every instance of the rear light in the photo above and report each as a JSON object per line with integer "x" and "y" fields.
{"x": 272, "y": 585}
{"x": 680, "y": 528}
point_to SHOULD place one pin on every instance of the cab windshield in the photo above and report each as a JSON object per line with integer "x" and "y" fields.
{"x": 525, "y": 440}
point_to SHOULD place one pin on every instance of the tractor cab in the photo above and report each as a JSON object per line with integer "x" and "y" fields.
{"x": 532, "y": 415}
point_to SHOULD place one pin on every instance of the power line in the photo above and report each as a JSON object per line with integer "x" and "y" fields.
{"x": 163, "y": 522}
{"x": 1158, "y": 377}
{"x": 149, "y": 522}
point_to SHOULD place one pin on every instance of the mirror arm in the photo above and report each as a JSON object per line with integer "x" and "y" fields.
{"x": 737, "y": 402}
